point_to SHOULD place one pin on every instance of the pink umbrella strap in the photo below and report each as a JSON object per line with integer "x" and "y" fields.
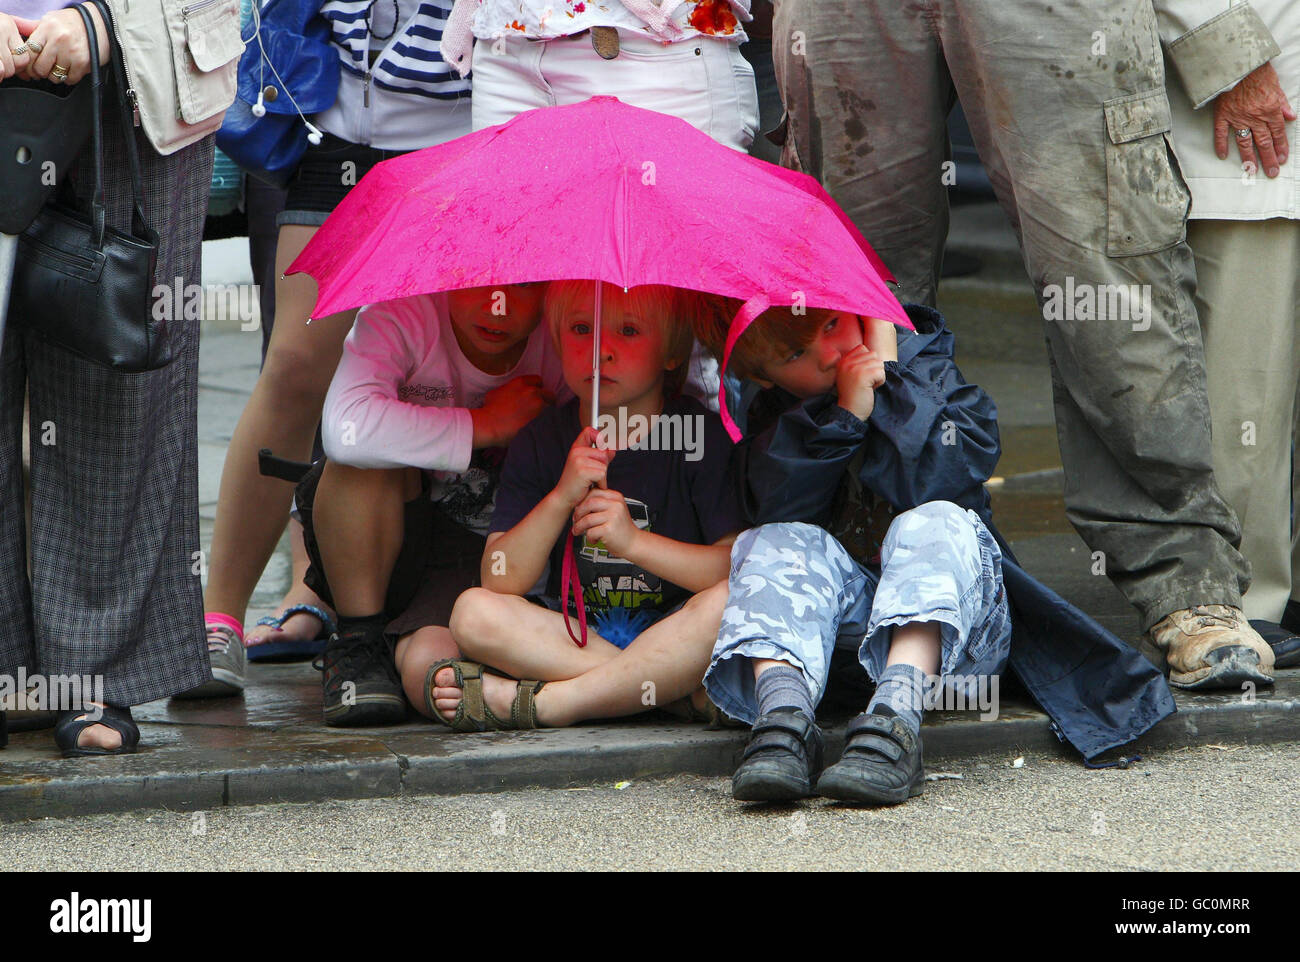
{"x": 569, "y": 574}
{"x": 753, "y": 307}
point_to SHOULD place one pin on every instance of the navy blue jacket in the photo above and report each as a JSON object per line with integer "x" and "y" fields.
{"x": 934, "y": 437}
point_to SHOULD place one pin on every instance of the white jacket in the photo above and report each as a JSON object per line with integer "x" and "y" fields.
{"x": 1222, "y": 41}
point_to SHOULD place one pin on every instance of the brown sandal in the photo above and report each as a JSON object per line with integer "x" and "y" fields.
{"x": 473, "y": 714}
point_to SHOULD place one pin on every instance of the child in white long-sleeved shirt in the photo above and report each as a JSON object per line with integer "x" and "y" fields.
{"x": 428, "y": 393}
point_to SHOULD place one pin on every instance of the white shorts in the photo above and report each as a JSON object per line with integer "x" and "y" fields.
{"x": 704, "y": 81}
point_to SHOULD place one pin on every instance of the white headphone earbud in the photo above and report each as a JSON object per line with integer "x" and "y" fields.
{"x": 314, "y": 136}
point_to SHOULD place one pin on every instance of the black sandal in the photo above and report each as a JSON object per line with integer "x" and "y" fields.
{"x": 782, "y": 759}
{"x": 72, "y": 723}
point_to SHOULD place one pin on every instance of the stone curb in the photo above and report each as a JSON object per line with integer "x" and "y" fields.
{"x": 418, "y": 761}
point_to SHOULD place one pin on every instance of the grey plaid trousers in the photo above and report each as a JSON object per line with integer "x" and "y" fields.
{"x": 114, "y": 474}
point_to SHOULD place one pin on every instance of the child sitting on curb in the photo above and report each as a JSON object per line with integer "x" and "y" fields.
{"x": 429, "y": 391}
{"x": 876, "y": 535}
{"x": 649, "y": 524}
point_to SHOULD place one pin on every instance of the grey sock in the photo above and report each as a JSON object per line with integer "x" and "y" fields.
{"x": 783, "y": 686}
{"x": 900, "y": 691}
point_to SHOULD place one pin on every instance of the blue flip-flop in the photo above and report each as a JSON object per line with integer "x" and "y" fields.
{"x": 292, "y": 649}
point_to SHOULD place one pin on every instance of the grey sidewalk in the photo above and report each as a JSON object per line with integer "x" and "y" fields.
{"x": 272, "y": 745}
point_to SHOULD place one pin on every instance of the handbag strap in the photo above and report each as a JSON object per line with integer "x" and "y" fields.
{"x": 97, "y": 218}
{"x": 139, "y": 226}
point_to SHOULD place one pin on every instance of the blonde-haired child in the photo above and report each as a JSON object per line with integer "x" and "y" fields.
{"x": 646, "y": 525}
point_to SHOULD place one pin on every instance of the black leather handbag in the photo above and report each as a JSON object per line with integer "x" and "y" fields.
{"x": 83, "y": 285}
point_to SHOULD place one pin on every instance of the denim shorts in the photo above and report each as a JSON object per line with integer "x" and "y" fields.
{"x": 322, "y": 179}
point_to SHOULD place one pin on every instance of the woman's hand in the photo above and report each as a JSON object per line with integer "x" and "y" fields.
{"x": 11, "y": 39}
{"x": 59, "y": 39}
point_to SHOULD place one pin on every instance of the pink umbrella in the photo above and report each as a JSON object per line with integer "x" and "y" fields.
{"x": 595, "y": 191}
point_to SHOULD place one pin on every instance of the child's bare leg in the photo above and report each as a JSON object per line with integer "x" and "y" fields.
{"x": 520, "y": 638}
{"x": 415, "y": 653}
{"x": 517, "y": 637}
{"x": 916, "y": 644}
{"x": 358, "y": 519}
{"x": 665, "y": 663}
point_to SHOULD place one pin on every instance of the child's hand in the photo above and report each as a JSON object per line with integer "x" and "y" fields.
{"x": 584, "y": 467}
{"x": 861, "y": 371}
{"x": 881, "y": 336}
{"x": 508, "y": 408}
{"x": 603, "y": 517}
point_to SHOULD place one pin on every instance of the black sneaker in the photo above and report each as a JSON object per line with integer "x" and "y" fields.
{"x": 360, "y": 680}
{"x": 881, "y": 764}
{"x": 782, "y": 758}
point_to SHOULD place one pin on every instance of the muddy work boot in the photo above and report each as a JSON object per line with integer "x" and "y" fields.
{"x": 1212, "y": 646}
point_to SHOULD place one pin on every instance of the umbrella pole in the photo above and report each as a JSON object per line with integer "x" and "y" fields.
{"x": 595, "y": 360}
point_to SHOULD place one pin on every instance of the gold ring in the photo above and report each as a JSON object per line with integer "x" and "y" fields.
{"x": 19, "y": 50}
{"x": 59, "y": 72}
{"x": 35, "y": 46}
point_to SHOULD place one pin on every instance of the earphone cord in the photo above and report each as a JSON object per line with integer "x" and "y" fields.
{"x": 265, "y": 62}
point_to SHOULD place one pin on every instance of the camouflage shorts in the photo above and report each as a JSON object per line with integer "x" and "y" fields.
{"x": 796, "y": 594}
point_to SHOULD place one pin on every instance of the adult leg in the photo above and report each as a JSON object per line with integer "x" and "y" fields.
{"x": 1293, "y": 606}
{"x": 115, "y": 586}
{"x": 1248, "y": 285}
{"x": 16, "y": 632}
{"x": 303, "y": 625}
{"x": 281, "y": 414}
{"x": 1068, "y": 109}
{"x": 867, "y": 95}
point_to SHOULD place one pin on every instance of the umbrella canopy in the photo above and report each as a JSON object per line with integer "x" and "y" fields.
{"x": 598, "y": 190}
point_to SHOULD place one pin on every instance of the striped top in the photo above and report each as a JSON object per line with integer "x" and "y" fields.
{"x": 408, "y": 62}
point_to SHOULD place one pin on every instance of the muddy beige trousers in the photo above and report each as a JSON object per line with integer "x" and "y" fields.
{"x": 1068, "y": 109}
{"x": 1248, "y": 295}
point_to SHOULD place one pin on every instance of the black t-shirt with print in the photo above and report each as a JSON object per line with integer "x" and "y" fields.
{"x": 692, "y": 501}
